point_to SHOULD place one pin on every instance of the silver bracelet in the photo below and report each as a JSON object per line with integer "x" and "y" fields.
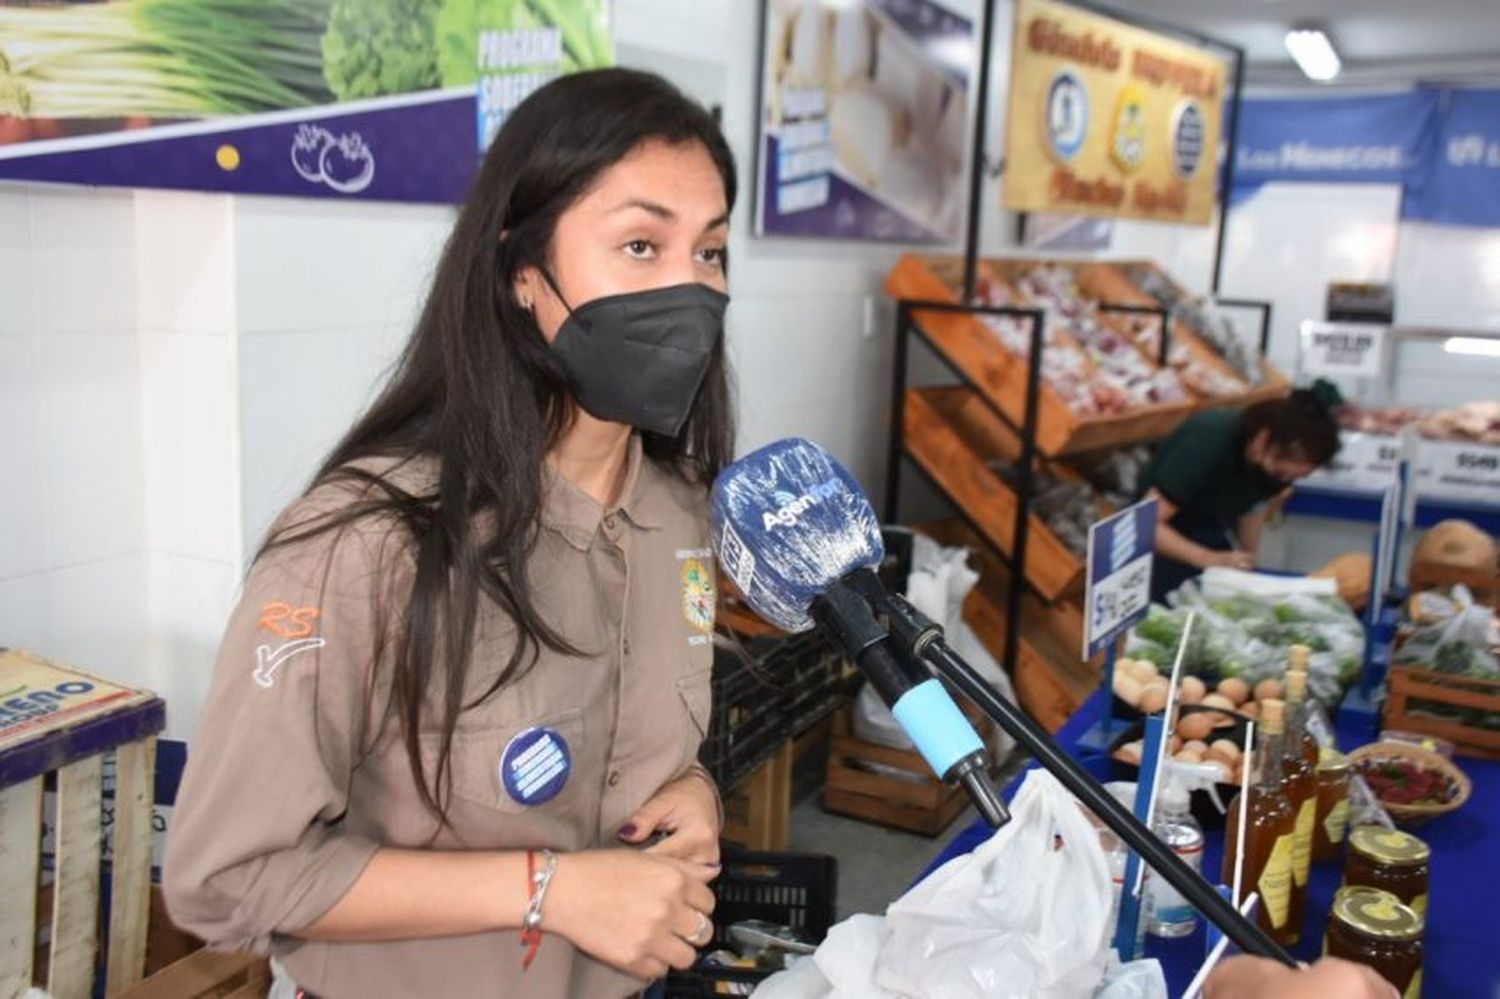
{"x": 532, "y": 921}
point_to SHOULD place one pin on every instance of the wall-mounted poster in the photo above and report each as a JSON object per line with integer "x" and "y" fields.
{"x": 1107, "y": 119}
{"x": 864, "y": 120}
{"x": 379, "y": 99}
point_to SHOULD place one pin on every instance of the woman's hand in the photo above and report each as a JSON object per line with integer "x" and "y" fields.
{"x": 634, "y": 911}
{"x": 1231, "y": 560}
{"x": 1247, "y": 977}
{"x": 687, "y": 810}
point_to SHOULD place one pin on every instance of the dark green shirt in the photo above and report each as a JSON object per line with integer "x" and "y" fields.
{"x": 1201, "y": 469}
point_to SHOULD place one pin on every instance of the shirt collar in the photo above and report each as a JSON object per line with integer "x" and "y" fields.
{"x": 576, "y": 515}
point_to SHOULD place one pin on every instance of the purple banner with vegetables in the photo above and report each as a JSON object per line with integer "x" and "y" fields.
{"x": 374, "y": 99}
{"x": 864, "y": 120}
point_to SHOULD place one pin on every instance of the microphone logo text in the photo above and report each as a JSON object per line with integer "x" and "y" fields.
{"x": 788, "y": 513}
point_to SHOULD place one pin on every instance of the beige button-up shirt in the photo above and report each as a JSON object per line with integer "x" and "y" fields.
{"x": 293, "y": 779}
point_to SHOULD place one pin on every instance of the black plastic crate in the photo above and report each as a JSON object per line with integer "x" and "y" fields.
{"x": 813, "y": 680}
{"x": 747, "y": 723}
{"x": 788, "y": 889}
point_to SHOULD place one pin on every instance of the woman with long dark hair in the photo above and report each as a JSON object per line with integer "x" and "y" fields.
{"x": 450, "y": 746}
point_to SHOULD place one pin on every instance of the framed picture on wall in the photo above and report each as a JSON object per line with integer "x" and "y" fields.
{"x": 864, "y": 115}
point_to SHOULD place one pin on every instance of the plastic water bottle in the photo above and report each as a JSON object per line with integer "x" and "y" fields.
{"x": 1168, "y": 914}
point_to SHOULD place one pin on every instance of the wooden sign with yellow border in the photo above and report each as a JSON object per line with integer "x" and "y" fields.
{"x": 1109, "y": 119}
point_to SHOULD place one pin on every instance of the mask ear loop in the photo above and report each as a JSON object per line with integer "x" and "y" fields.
{"x": 546, "y": 273}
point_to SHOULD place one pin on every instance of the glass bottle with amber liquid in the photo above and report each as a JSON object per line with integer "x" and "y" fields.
{"x": 1301, "y": 793}
{"x": 1298, "y": 708}
{"x": 1269, "y": 829}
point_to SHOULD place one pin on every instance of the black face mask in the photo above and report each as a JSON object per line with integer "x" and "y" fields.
{"x": 640, "y": 358}
{"x": 1263, "y": 481}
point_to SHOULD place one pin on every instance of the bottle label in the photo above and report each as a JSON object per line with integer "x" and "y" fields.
{"x": 1275, "y": 884}
{"x": 1337, "y": 821}
{"x": 1414, "y": 987}
{"x": 1419, "y": 904}
{"x": 1165, "y": 905}
{"x": 1302, "y": 842}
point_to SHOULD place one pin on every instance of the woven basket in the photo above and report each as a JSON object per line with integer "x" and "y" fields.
{"x": 1416, "y": 814}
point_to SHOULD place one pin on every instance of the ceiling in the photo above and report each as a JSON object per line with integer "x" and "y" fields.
{"x": 1381, "y": 42}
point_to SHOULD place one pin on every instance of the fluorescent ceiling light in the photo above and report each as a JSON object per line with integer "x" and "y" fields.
{"x": 1313, "y": 52}
{"x": 1476, "y": 345}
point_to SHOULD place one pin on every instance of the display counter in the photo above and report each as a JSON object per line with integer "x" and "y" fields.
{"x": 1462, "y": 946}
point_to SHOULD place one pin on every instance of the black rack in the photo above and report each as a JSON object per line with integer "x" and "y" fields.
{"x": 1015, "y": 559}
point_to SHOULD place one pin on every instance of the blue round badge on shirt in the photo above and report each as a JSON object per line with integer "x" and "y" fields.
{"x": 535, "y": 765}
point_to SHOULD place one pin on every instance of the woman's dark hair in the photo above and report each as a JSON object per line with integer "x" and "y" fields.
{"x": 1300, "y": 422}
{"x": 478, "y": 389}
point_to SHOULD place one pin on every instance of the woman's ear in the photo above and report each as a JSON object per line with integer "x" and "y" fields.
{"x": 525, "y": 286}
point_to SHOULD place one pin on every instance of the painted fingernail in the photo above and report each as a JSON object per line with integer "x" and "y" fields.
{"x": 627, "y": 831}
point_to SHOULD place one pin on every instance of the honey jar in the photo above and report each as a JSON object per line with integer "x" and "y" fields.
{"x": 1390, "y": 859}
{"x": 1331, "y": 820}
{"x": 1372, "y": 927}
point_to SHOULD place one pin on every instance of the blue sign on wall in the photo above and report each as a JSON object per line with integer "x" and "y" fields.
{"x": 1118, "y": 589}
{"x": 1460, "y": 184}
{"x": 1383, "y": 139}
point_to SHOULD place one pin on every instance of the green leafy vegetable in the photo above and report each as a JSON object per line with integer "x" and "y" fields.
{"x": 377, "y": 47}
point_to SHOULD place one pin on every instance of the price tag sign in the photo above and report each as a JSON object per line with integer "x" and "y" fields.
{"x": 1117, "y": 593}
{"x": 1345, "y": 350}
{"x": 1456, "y": 471}
{"x": 1365, "y": 463}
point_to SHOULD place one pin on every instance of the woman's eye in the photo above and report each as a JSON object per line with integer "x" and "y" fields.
{"x": 641, "y": 249}
{"x": 713, "y": 256}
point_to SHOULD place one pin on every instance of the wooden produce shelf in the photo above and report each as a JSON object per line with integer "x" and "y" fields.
{"x": 971, "y": 347}
{"x": 1411, "y": 689}
{"x": 1051, "y": 681}
{"x": 952, "y": 435}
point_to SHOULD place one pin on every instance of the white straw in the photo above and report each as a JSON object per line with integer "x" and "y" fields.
{"x": 1247, "y": 763}
{"x": 1196, "y": 985}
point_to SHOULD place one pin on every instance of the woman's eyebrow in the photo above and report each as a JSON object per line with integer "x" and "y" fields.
{"x": 664, "y": 213}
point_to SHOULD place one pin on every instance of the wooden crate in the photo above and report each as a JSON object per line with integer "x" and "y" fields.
{"x": 1406, "y": 684}
{"x": 972, "y": 348}
{"x": 1051, "y": 679}
{"x": 757, "y": 811}
{"x": 1109, "y": 282}
{"x": 917, "y": 801}
{"x": 207, "y": 974}
{"x": 59, "y": 720}
{"x": 952, "y": 434}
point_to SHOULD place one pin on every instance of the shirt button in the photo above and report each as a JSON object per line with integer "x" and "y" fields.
{"x": 614, "y": 778}
{"x": 627, "y": 646}
{"x": 609, "y": 522}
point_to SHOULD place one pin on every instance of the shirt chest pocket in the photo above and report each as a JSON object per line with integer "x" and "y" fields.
{"x": 524, "y": 768}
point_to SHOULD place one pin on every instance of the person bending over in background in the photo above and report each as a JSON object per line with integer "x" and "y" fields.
{"x": 1217, "y": 476}
{"x": 469, "y": 671}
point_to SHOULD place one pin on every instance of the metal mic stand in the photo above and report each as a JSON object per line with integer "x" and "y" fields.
{"x": 915, "y": 633}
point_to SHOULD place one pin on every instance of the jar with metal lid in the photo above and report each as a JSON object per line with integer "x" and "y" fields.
{"x": 1390, "y": 859}
{"x": 1372, "y": 927}
{"x": 1331, "y": 820}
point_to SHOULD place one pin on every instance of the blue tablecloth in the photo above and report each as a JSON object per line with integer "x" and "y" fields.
{"x": 1463, "y": 919}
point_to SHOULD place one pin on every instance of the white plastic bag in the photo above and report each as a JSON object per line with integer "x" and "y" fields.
{"x": 842, "y": 968}
{"x": 939, "y": 581}
{"x": 1024, "y": 915}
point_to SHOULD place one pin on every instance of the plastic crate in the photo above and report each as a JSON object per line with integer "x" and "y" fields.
{"x": 812, "y": 680}
{"x": 747, "y": 723}
{"x": 788, "y": 889}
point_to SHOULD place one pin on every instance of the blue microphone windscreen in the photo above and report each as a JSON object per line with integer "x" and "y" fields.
{"x": 788, "y": 521}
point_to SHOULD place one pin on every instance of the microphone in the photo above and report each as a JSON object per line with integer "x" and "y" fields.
{"x": 795, "y": 533}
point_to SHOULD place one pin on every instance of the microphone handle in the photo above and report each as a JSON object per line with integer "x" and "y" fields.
{"x": 917, "y": 699}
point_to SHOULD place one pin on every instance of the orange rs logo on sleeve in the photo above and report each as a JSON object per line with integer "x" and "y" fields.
{"x": 285, "y": 621}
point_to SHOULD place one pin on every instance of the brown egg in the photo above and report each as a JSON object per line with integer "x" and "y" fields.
{"x": 1174, "y": 744}
{"x": 1143, "y": 670}
{"x": 1128, "y": 689}
{"x": 1215, "y": 754}
{"x": 1153, "y": 698}
{"x": 1191, "y": 690}
{"x": 1130, "y": 752}
{"x": 1217, "y": 701}
{"x": 1250, "y": 709}
{"x": 1196, "y": 746}
{"x": 1188, "y": 756}
{"x": 1228, "y": 746}
{"x": 1235, "y": 689}
{"x": 1269, "y": 687}
{"x": 1195, "y": 726}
